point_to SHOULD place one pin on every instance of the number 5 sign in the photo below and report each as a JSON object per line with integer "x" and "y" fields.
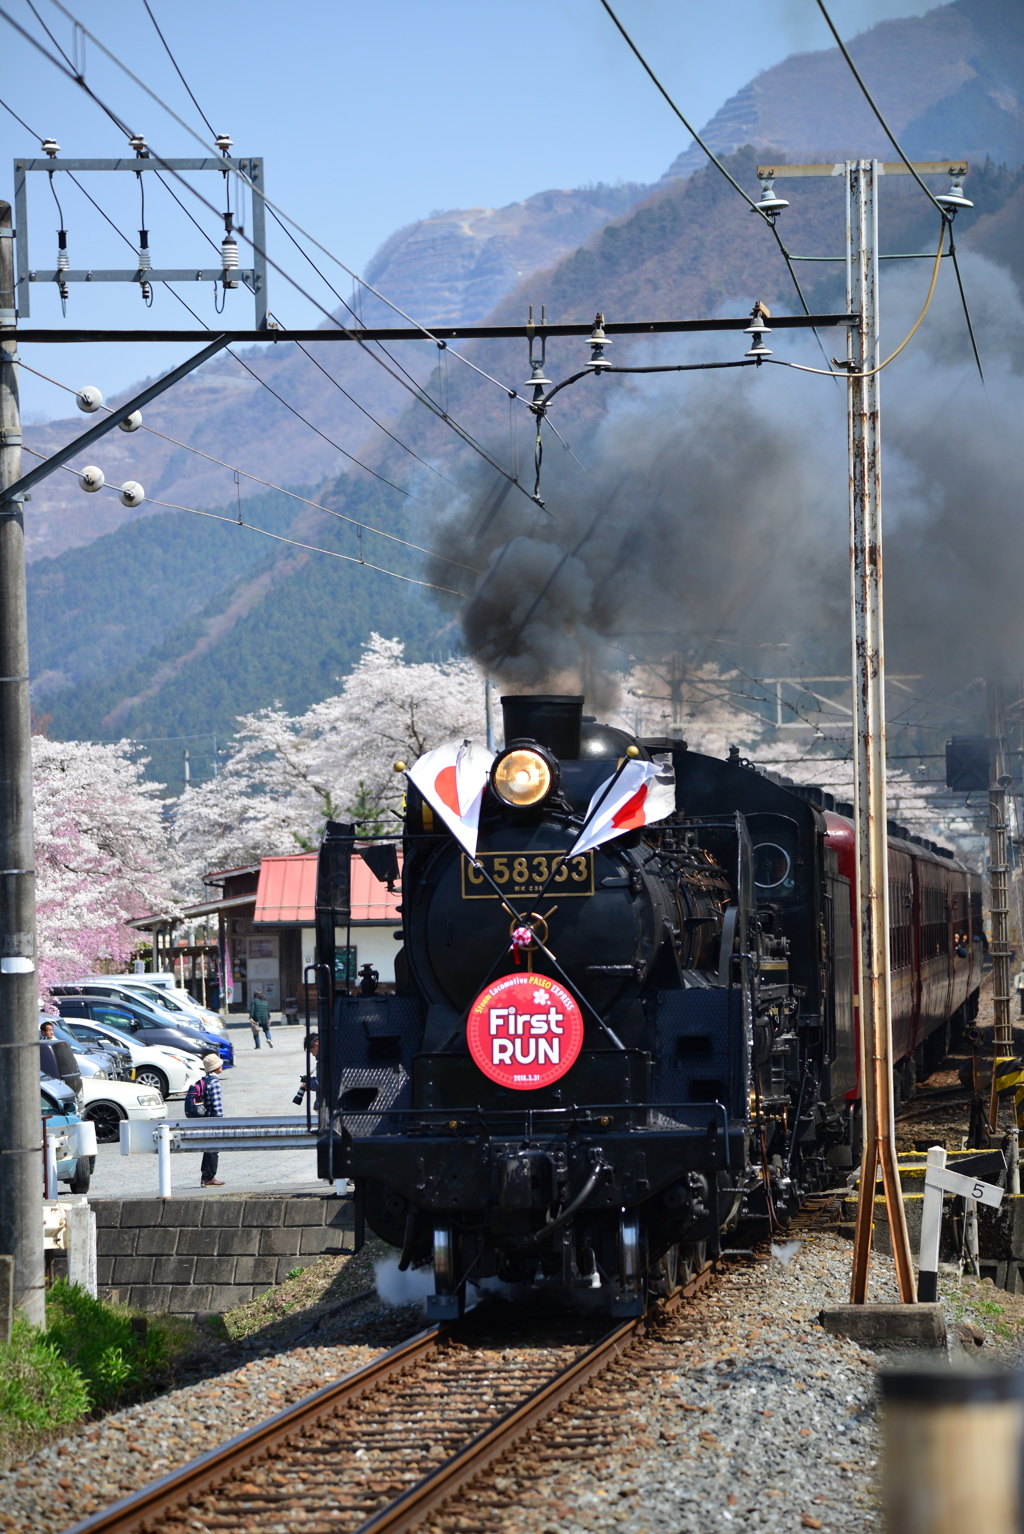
{"x": 938, "y": 1180}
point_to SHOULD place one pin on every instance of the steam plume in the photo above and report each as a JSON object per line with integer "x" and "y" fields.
{"x": 717, "y": 504}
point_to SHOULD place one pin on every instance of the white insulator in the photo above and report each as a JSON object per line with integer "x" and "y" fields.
{"x": 229, "y": 260}
{"x": 92, "y": 478}
{"x": 63, "y": 261}
{"x": 132, "y": 493}
{"x": 145, "y": 263}
{"x": 131, "y": 422}
{"x": 89, "y": 399}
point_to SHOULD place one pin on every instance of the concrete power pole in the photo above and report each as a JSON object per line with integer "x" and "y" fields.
{"x": 872, "y": 929}
{"x": 21, "y": 1187}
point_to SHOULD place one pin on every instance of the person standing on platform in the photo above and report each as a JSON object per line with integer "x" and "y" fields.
{"x": 213, "y": 1105}
{"x": 259, "y": 1017}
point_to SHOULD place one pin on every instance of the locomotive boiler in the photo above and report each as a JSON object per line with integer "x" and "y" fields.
{"x": 623, "y": 1027}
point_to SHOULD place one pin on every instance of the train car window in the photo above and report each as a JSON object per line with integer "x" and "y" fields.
{"x": 773, "y": 868}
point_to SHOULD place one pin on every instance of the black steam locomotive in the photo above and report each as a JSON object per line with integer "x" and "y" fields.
{"x": 596, "y": 1066}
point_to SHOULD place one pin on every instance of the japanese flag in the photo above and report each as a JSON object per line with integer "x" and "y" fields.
{"x": 643, "y": 793}
{"x": 452, "y": 779}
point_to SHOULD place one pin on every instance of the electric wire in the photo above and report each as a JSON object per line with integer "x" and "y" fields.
{"x": 80, "y": 80}
{"x": 459, "y": 430}
{"x": 380, "y": 426}
{"x": 268, "y": 484}
{"x": 20, "y": 120}
{"x": 198, "y": 451}
{"x": 870, "y": 372}
{"x": 312, "y": 548}
{"x": 945, "y": 212}
{"x": 181, "y": 77}
{"x": 235, "y": 357}
{"x": 181, "y": 205}
{"x": 717, "y": 163}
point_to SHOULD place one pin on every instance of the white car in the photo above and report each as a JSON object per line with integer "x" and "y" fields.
{"x": 108, "y": 1102}
{"x": 163, "y": 998}
{"x": 168, "y": 1071}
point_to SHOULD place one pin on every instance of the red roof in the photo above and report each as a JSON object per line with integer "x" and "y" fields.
{"x": 287, "y": 891}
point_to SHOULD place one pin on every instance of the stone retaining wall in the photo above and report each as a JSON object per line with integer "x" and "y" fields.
{"x": 208, "y": 1254}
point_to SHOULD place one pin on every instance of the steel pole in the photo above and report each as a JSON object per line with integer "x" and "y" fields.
{"x": 872, "y": 927}
{"x": 21, "y": 1194}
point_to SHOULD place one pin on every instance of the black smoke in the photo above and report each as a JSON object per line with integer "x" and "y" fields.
{"x": 714, "y": 509}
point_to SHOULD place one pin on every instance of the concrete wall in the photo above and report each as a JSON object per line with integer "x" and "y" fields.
{"x": 201, "y": 1254}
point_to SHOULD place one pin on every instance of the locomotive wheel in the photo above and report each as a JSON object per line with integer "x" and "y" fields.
{"x": 665, "y": 1273}
{"x": 691, "y": 1260}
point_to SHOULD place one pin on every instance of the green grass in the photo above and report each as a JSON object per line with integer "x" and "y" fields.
{"x": 90, "y": 1360}
{"x": 39, "y": 1390}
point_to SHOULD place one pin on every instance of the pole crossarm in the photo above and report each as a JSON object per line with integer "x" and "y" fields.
{"x": 440, "y": 332}
{"x": 883, "y": 168}
{"x": 42, "y": 470}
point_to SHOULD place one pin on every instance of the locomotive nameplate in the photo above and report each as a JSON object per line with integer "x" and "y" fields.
{"x": 519, "y": 874}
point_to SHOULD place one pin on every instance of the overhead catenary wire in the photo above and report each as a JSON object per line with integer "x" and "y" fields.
{"x": 79, "y": 80}
{"x": 351, "y": 398}
{"x": 181, "y": 77}
{"x": 234, "y": 355}
{"x": 268, "y": 484}
{"x": 716, "y": 162}
{"x": 870, "y": 372}
{"x": 311, "y": 548}
{"x": 945, "y": 212}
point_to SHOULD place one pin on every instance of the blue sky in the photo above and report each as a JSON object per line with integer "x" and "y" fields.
{"x": 368, "y": 117}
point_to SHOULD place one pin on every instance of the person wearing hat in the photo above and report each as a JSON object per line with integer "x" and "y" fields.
{"x": 214, "y": 1105}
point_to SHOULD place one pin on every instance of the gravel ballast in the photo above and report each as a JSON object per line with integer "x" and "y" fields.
{"x": 105, "y": 1460}
{"x": 739, "y": 1410}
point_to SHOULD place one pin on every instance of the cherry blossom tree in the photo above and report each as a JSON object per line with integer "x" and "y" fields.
{"x": 288, "y": 774}
{"x": 103, "y": 850}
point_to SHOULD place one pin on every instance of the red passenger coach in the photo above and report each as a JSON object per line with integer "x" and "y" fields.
{"x": 935, "y": 943}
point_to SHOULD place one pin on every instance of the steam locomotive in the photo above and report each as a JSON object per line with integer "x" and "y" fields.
{"x": 611, "y": 1050}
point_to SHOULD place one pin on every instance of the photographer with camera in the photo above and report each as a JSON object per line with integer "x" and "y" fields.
{"x": 310, "y": 1083}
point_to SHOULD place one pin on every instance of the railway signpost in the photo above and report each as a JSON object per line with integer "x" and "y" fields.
{"x": 863, "y": 366}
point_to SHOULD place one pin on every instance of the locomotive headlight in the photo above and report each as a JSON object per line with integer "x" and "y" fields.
{"x": 522, "y": 776}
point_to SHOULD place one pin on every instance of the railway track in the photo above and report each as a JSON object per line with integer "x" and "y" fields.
{"x": 379, "y": 1449}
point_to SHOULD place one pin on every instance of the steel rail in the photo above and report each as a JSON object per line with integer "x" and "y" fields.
{"x": 142, "y": 1509}
{"x": 409, "y": 1510}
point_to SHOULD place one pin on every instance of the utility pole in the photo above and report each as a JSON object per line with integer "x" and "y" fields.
{"x": 871, "y": 930}
{"x": 999, "y": 894}
{"x": 21, "y": 1188}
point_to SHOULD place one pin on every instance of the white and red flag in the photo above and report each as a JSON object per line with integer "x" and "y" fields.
{"x": 642, "y": 793}
{"x": 452, "y": 779}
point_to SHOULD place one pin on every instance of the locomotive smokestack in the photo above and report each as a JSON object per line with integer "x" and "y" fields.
{"x": 551, "y": 719}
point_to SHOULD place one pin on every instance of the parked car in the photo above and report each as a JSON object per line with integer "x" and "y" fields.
{"x": 59, "y": 1106}
{"x": 168, "y": 1071}
{"x": 146, "y": 1026}
{"x": 141, "y": 987}
{"x": 108, "y": 1102}
{"x": 94, "y": 1056}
